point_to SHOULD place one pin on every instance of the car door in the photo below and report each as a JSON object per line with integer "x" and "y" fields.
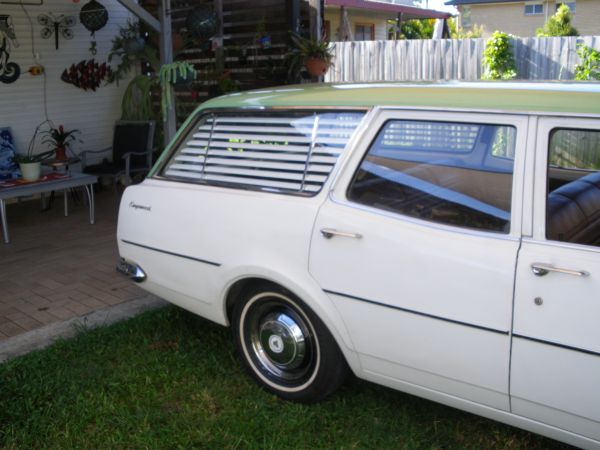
{"x": 555, "y": 374}
{"x": 417, "y": 244}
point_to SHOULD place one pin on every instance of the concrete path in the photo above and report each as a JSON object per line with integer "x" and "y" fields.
{"x": 60, "y": 271}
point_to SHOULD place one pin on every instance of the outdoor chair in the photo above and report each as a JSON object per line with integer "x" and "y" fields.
{"x": 131, "y": 152}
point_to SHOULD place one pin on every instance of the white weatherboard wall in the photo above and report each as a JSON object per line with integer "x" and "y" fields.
{"x": 22, "y": 102}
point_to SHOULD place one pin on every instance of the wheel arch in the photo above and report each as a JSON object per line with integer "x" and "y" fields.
{"x": 313, "y": 296}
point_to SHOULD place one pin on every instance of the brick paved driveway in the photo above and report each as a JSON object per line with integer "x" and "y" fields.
{"x": 57, "y": 267}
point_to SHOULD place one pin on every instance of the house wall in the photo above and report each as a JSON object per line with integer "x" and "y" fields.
{"x": 22, "y": 102}
{"x": 332, "y": 14}
{"x": 511, "y": 18}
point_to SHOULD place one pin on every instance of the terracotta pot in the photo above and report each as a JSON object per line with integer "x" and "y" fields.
{"x": 60, "y": 153}
{"x": 316, "y": 66}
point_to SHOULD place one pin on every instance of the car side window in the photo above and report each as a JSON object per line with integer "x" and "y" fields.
{"x": 446, "y": 172}
{"x": 573, "y": 197}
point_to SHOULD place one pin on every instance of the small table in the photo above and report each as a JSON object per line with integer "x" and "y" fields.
{"x": 39, "y": 187}
{"x": 57, "y": 164}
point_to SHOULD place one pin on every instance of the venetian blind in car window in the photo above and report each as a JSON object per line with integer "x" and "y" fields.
{"x": 430, "y": 136}
{"x": 291, "y": 151}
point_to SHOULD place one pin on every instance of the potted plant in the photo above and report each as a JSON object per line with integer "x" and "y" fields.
{"x": 31, "y": 164}
{"x": 315, "y": 54}
{"x": 59, "y": 140}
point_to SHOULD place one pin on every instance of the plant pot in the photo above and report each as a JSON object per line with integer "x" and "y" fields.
{"x": 316, "y": 66}
{"x": 180, "y": 80}
{"x": 133, "y": 46}
{"x": 31, "y": 171}
{"x": 60, "y": 153}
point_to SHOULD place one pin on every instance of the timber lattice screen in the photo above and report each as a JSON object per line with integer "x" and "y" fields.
{"x": 247, "y": 62}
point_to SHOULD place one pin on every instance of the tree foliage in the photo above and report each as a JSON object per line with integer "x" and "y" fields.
{"x": 498, "y": 59}
{"x": 589, "y": 68}
{"x": 417, "y": 29}
{"x": 559, "y": 24}
{"x": 457, "y": 32}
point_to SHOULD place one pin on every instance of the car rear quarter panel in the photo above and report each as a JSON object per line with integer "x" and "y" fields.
{"x": 194, "y": 242}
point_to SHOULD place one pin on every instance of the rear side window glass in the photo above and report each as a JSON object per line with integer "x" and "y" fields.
{"x": 573, "y": 200}
{"x": 292, "y": 151}
{"x": 453, "y": 173}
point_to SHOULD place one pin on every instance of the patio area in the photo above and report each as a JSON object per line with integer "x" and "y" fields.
{"x": 57, "y": 268}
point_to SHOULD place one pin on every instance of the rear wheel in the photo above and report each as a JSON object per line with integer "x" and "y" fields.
{"x": 285, "y": 346}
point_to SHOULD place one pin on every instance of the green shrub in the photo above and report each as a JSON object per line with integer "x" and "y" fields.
{"x": 417, "y": 29}
{"x": 498, "y": 59}
{"x": 589, "y": 68}
{"x": 559, "y": 24}
{"x": 457, "y": 32}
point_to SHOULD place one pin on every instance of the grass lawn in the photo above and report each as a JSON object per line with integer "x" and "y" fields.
{"x": 169, "y": 380}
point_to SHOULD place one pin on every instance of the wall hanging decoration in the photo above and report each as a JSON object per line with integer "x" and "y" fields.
{"x": 56, "y": 24}
{"x": 93, "y": 16}
{"x": 86, "y": 75}
{"x": 9, "y": 71}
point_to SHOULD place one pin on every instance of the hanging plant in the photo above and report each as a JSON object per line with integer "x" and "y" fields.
{"x": 177, "y": 72}
{"x": 132, "y": 50}
{"x": 137, "y": 98}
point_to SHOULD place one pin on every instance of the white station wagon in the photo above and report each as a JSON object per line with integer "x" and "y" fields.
{"x": 443, "y": 240}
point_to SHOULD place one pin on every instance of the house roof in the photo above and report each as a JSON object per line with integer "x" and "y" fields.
{"x": 408, "y": 12}
{"x": 477, "y": 2}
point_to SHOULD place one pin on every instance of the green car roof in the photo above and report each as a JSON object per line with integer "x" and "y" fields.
{"x": 557, "y": 98}
{"x": 575, "y": 97}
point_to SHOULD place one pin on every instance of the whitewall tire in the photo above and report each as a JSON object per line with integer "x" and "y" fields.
{"x": 285, "y": 346}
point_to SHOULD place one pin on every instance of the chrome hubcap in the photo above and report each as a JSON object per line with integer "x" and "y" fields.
{"x": 282, "y": 340}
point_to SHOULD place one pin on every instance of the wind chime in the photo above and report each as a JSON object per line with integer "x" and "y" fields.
{"x": 93, "y": 16}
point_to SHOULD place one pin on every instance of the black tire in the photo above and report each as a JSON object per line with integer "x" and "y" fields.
{"x": 12, "y": 71}
{"x": 285, "y": 346}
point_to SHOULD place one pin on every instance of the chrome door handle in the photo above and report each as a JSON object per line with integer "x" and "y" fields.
{"x": 541, "y": 269}
{"x": 328, "y": 233}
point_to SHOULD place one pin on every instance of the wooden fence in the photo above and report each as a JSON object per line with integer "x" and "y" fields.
{"x": 452, "y": 59}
